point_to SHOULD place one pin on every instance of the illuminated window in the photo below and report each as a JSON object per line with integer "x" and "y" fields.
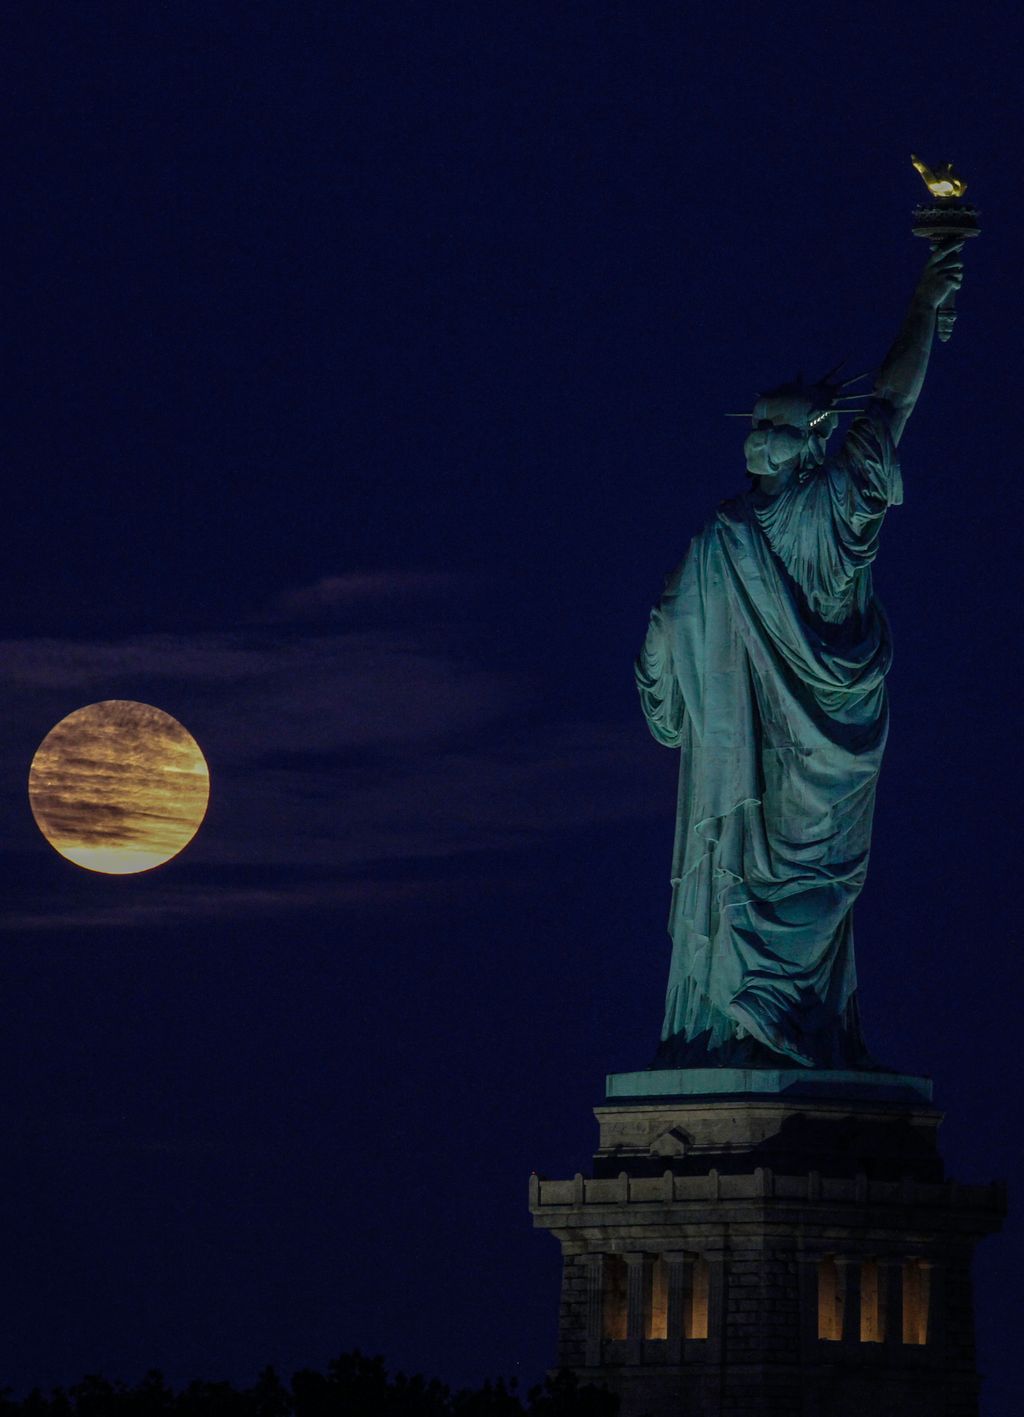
{"x": 872, "y": 1326}
{"x": 916, "y": 1294}
{"x": 695, "y": 1315}
{"x": 830, "y": 1300}
{"x": 657, "y": 1301}
{"x": 614, "y": 1301}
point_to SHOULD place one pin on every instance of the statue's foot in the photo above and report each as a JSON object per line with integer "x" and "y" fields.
{"x": 771, "y": 1036}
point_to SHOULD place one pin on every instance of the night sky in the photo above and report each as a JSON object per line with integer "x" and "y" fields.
{"x": 366, "y": 370}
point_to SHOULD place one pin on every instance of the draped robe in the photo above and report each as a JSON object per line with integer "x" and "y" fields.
{"x": 765, "y": 665}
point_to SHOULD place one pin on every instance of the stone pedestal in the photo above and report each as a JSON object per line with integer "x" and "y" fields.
{"x": 784, "y": 1252}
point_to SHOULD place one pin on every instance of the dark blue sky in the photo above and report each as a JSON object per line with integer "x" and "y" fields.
{"x": 366, "y": 371}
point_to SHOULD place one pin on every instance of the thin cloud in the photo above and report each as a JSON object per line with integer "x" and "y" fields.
{"x": 358, "y": 589}
{"x": 339, "y": 751}
{"x": 174, "y": 906}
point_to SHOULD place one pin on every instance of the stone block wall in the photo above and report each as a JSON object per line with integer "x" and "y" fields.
{"x": 572, "y": 1318}
{"x": 763, "y": 1239}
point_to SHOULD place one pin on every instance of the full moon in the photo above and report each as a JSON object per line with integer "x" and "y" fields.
{"x": 118, "y": 787}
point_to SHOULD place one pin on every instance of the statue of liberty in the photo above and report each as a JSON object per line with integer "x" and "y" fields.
{"x": 765, "y": 666}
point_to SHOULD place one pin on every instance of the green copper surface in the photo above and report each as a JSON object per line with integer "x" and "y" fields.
{"x": 717, "y": 1082}
{"x": 764, "y": 665}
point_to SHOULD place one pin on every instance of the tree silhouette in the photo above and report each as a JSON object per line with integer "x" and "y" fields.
{"x": 354, "y": 1385}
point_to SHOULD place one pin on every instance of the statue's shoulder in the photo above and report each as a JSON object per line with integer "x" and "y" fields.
{"x": 735, "y": 511}
{"x": 731, "y": 519}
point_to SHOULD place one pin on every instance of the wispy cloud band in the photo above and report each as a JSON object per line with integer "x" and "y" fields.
{"x": 337, "y": 748}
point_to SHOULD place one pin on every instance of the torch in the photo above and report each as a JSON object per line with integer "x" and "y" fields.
{"x": 944, "y": 222}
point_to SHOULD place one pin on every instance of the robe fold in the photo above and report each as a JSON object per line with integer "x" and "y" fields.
{"x": 765, "y": 665}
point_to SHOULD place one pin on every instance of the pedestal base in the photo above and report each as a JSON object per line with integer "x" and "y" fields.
{"x": 788, "y": 1082}
{"x": 769, "y": 1253}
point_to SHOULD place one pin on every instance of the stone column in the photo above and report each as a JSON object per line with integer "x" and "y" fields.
{"x": 716, "y": 1303}
{"x": 849, "y": 1298}
{"x": 890, "y": 1283}
{"x": 807, "y": 1280}
{"x": 637, "y": 1267}
{"x": 937, "y": 1305}
{"x": 595, "y": 1308}
{"x": 680, "y": 1279}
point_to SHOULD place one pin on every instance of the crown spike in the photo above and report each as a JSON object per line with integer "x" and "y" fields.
{"x": 866, "y": 375}
{"x": 827, "y": 378}
{"x": 825, "y": 411}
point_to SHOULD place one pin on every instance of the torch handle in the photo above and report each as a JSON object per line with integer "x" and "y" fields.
{"x": 943, "y": 227}
{"x": 945, "y": 317}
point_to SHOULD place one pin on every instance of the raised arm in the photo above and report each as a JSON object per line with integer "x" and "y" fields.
{"x": 901, "y": 377}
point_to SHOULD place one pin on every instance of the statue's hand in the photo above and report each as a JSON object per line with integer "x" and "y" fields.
{"x": 943, "y": 273}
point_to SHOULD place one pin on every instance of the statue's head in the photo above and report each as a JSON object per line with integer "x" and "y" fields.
{"x": 791, "y": 426}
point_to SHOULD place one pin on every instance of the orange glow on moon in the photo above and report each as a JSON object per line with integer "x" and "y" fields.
{"x": 118, "y": 787}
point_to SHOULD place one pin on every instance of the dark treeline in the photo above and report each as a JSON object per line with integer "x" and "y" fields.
{"x": 352, "y": 1386}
